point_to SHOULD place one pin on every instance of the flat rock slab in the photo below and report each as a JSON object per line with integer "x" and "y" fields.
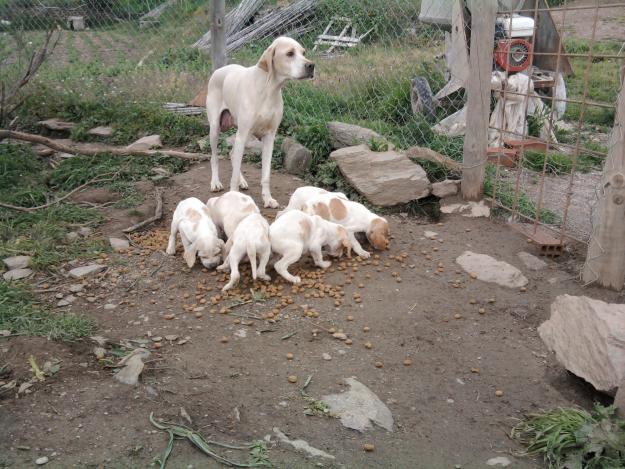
{"x": 588, "y": 338}
{"x": 531, "y": 262}
{"x": 358, "y": 407}
{"x": 146, "y": 143}
{"x": 17, "y": 274}
{"x": 489, "y": 269}
{"x": 101, "y": 131}
{"x": 468, "y": 209}
{"x": 385, "y": 178}
{"x": 80, "y": 272}
{"x": 445, "y": 188}
{"x": 347, "y": 135}
{"x": 297, "y": 158}
{"x": 17, "y": 262}
{"x": 57, "y": 124}
{"x": 118, "y": 244}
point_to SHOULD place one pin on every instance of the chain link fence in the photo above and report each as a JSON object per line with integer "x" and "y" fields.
{"x": 394, "y": 66}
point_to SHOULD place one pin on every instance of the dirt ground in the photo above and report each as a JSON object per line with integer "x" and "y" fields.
{"x": 580, "y": 22}
{"x": 444, "y": 404}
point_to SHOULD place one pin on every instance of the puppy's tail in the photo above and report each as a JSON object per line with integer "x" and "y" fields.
{"x": 251, "y": 254}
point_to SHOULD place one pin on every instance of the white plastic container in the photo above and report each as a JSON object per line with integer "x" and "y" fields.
{"x": 517, "y": 25}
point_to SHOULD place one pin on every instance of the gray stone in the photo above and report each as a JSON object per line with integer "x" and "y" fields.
{"x": 109, "y": 306}
{"x": 430, "y": 234}
{"x": 358, "y": 407}
{"x": 619, "y": 401}
{"x": 17, "y": 274}
{"x": 469, "y": 209}
{"x": 297, "y": 158}
{"x": 347, "y": 135}
{"x": 101, "y": 131}
{"x": 71, "y": 236}
{"x": 146, "y": 143}
{"x": 384, "y": 178}
{"x": 85, "y": 231}
{"x": 531, "y": 262}
{"x": 489, "y": 269}
{"x": 445, "y": 188}
{"x": 252, "y": 147}
{"x": 80, "y": 272}
{"x": 118, "y": 244}
{"x": 76, "y": 287}
{"x": 57, "y": 124}
{"x": 68, "y": 300}
{"x": 42, "y": 460}
{"x": 17, "y": 262}
{"x": 301, "y": 445}
{"x": 588, "y": 338}
{"x": 133, "y": 366}
{"x": 501, "y": 461}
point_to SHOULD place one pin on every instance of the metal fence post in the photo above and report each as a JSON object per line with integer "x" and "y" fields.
{"x": 483, "y": 16}
{"x": 218, "y": 34}
{"x": 605, "y": 260}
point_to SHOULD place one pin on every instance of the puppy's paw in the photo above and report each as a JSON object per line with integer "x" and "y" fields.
{"x": 242, "y": 183}
{"x": 216, "y": 186}
{"x": 226, "y": 287}
{"x": 223, "y": 267}
{"x": 271, "y": 203}
{"x": 365, "y": 254}
{"x": 171, "y": 251}
{"x": 265, "y": 278}
{"x": 324, "y": 264}
{"x": 297, "y": 280}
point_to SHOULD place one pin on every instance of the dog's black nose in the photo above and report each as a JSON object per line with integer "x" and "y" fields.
{"x": 310, "y": 69}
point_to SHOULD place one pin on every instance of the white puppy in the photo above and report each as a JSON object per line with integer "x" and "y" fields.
{"x": 296, "y": 232}
{"x": 304, "y": 194}
{"x": 251, "y": 238}
{"x": 355, "y": 217}
{"x": 198, "y": 233}
{"x": 250, "y": 98}
{"x": 229, "y": 209}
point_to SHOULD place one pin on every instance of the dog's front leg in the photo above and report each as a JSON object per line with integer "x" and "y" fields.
{"x": 357, "y": 247}
{"x": 214, "y": 141}
{"x": 237, "y": 156}
{"x": 268, "y": 140}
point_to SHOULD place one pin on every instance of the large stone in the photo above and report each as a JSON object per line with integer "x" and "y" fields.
{"x": 297, "y": 158}
{"x": 619, "y": 401}
{"x": 489, "y": 269}
{"x": 17, "y": 274}
{"x": 445, "y": 188}
{"x": 146, "y": 143}
{"x": 17, "y": 262}
{"x": 101, "y": 131}
{"x": 358, "y": 407}
{"x": 469, "y": 209}
{"x": 57, "y": 124}
{"x": 347, "y": 135}
{"x": 118, "y": 244}
{"x": 385, "y": 178}
{"x": 253, "y": 146}
{"x": 531, "y": 262}
{"x": 588, "y": 338}
{"x": 80, "y": 272}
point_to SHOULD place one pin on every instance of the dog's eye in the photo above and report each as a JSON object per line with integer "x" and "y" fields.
{"x": 290, "y": 53}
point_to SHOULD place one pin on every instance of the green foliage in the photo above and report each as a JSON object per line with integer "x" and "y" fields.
{"x": 574, "y": 438}
{"x": 18, "y": 315}
{"x": 557, "y": 163}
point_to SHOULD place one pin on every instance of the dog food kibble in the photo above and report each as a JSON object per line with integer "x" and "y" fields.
{"x": 368, "y": 447}
{"x": 499, "y": 393}
{"x": 378, "y": 364}
{"x": 289, "y": 356}
{"x": 198, "y": 315}
{"x": 475, "y": 370}
{"x": 407, "y": 362}
{"x": 169, "y": 316}
{"x": 366, "y": 329}
{"x": 224, "y": 340}
{"x": 398, "y": 279}
{"x": 481, "y": 311}
{"x": 368, "y": 345}
{"x": 473, "y": 275}
{"x": 523, "y": 289}
{"x": 491, "y": 300}
{"x": 457, "y": 316}
{"x": 292, "y": 379}
{"x": 348, "y": 342}
{"x": 472, "y": 301}
{"x": 157, "y": 345}
{"x": 350, "y": 318}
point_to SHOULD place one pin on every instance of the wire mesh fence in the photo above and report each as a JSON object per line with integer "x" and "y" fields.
{"x": 397, "y": 67}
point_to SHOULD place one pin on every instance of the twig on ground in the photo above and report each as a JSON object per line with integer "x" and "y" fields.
{"x": 158, "y": 213}
{"x": 247, "y": 316}
{"x": 288, "y": 336}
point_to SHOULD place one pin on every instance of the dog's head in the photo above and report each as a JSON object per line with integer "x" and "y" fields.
{"x": 378, "y": 233}
{"x": 209, "y": 251}
{"x": 284, "y": 59}
{"x": 340, "y": 244}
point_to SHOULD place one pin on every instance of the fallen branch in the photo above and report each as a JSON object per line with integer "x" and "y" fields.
{"x": 56, "y": 201}
{"x": 158, "y": 213}
{"x": 426, "y": 154}
{"x": 83, "y": 150}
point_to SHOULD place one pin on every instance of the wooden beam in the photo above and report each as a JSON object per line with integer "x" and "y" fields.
{"x": 218, "y": 34}
{"x": 605, "y": 260}
{"x": 483, "y": 15}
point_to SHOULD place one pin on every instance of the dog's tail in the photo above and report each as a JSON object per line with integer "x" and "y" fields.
{"x": 251, "y": 254}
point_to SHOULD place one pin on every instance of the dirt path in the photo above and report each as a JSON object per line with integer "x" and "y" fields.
{"x": 445, "y": 414}
{"x": 579, "y": 22}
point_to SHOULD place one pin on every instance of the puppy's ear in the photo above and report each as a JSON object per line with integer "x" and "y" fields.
{"x": 266, "y": 60}
{"x": 190, "y": 255}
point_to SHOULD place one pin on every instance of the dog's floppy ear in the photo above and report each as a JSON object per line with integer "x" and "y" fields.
{"x": 190, "y": 255}
{"x": 266, "y": 60}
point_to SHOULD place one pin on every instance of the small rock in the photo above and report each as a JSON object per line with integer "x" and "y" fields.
{"x": 71, "y": 236}
{"x": 68, "y": 300}
{"x": 326, "y": 356}
{"x": 368, "y": 447}
{"x": 58, "y": 125}
{"x": 297, "y": 158}
{"x": 339, "y": 335}
{"x": 99, "y": 352}
{"x": 5, "y": 333}
{"x": 531, "y": 262}
{"x": 489, "y": 269}
{"x": 118, "y": 244}
{"x": 499, "y": 461}
{"x": 430, "y": 234}
{"x": 85, "y": 231}
{"x": 445, "y": 188}
{"x": 109, "y": 306}
{"x": 42, "y": 460}
{"x": 80, "y": 272}
{"x": 346, "y": 135}
{"x": 76, "y": 287}
{"x": 17, "y": 274}
{"x": 146, "y": 143}
{"x": 101, "y": 131}
{"x": 17, "y": 262}
{"x": 171, "y": 337}
{"x": 469, "y": 209}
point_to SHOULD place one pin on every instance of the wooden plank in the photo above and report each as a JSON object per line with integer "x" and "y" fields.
{"x": 478, "y": 98}
{"x": 218, "y": 34}
{"x": 605, "y": 260}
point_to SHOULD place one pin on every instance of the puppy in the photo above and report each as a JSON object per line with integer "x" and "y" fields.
{"x": 303, "y": 194}
{"x": 296, "y": 232}
{"x": 198, "y": 233}
{"x": 353, "y": 216}
{"x": 229, "y": 209}
{"x": 250, "y": 98}
{"x": 251, "y": 238}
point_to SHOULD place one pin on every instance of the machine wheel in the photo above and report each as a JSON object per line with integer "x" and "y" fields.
{"x": 421, "y": 97}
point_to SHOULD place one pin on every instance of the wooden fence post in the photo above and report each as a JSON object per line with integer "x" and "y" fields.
{"x": 605, "y": 260}
{"x": 483, "y": 16}
{"x": 218, "y": 34}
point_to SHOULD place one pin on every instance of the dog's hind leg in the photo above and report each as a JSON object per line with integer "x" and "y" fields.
{"x": 214, "y": 113}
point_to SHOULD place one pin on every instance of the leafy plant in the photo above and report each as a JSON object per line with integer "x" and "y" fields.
{"x": 575, "y": 438}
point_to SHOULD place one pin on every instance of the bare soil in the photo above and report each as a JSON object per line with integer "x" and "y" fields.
{"x": 445, "y": 413}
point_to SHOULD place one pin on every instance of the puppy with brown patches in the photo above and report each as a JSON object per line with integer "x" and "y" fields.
{"x": 250, "y": 238}
{"x": 197, "y": 232}
{"x": 355, "y": 217}
{"x": 296, "y": 233}
{"x": 304, "y": 194}
{"x": 228, "y": 210}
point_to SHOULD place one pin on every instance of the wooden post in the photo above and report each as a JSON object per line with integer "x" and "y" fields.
{"x": 218, "y": 34}
{"x": 483, "y": 16}
{"x": 605, "y": 260}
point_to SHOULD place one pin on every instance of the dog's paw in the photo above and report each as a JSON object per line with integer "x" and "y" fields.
{"x": 223, "y": 267}
{"x": 296, "y": 280}
{"x": 324, "y": 264}
{"x": 242, "y": 183}
{"x": 226, "y": 287}
{"x": 171, "y": 251}
{"x": 271, "y": 203}
{"x": 364, "y": 255}
{"x": 265, "y": 278}
{"x": 216, "y": 186}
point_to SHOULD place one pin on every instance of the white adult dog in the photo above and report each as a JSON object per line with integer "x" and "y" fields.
{"x": 250, "y": 98}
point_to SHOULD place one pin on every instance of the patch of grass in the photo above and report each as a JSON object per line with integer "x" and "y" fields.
{"x": 18, "y": 315}
{"x": 575, "y": 438}
{"x": 557, "y": 163}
